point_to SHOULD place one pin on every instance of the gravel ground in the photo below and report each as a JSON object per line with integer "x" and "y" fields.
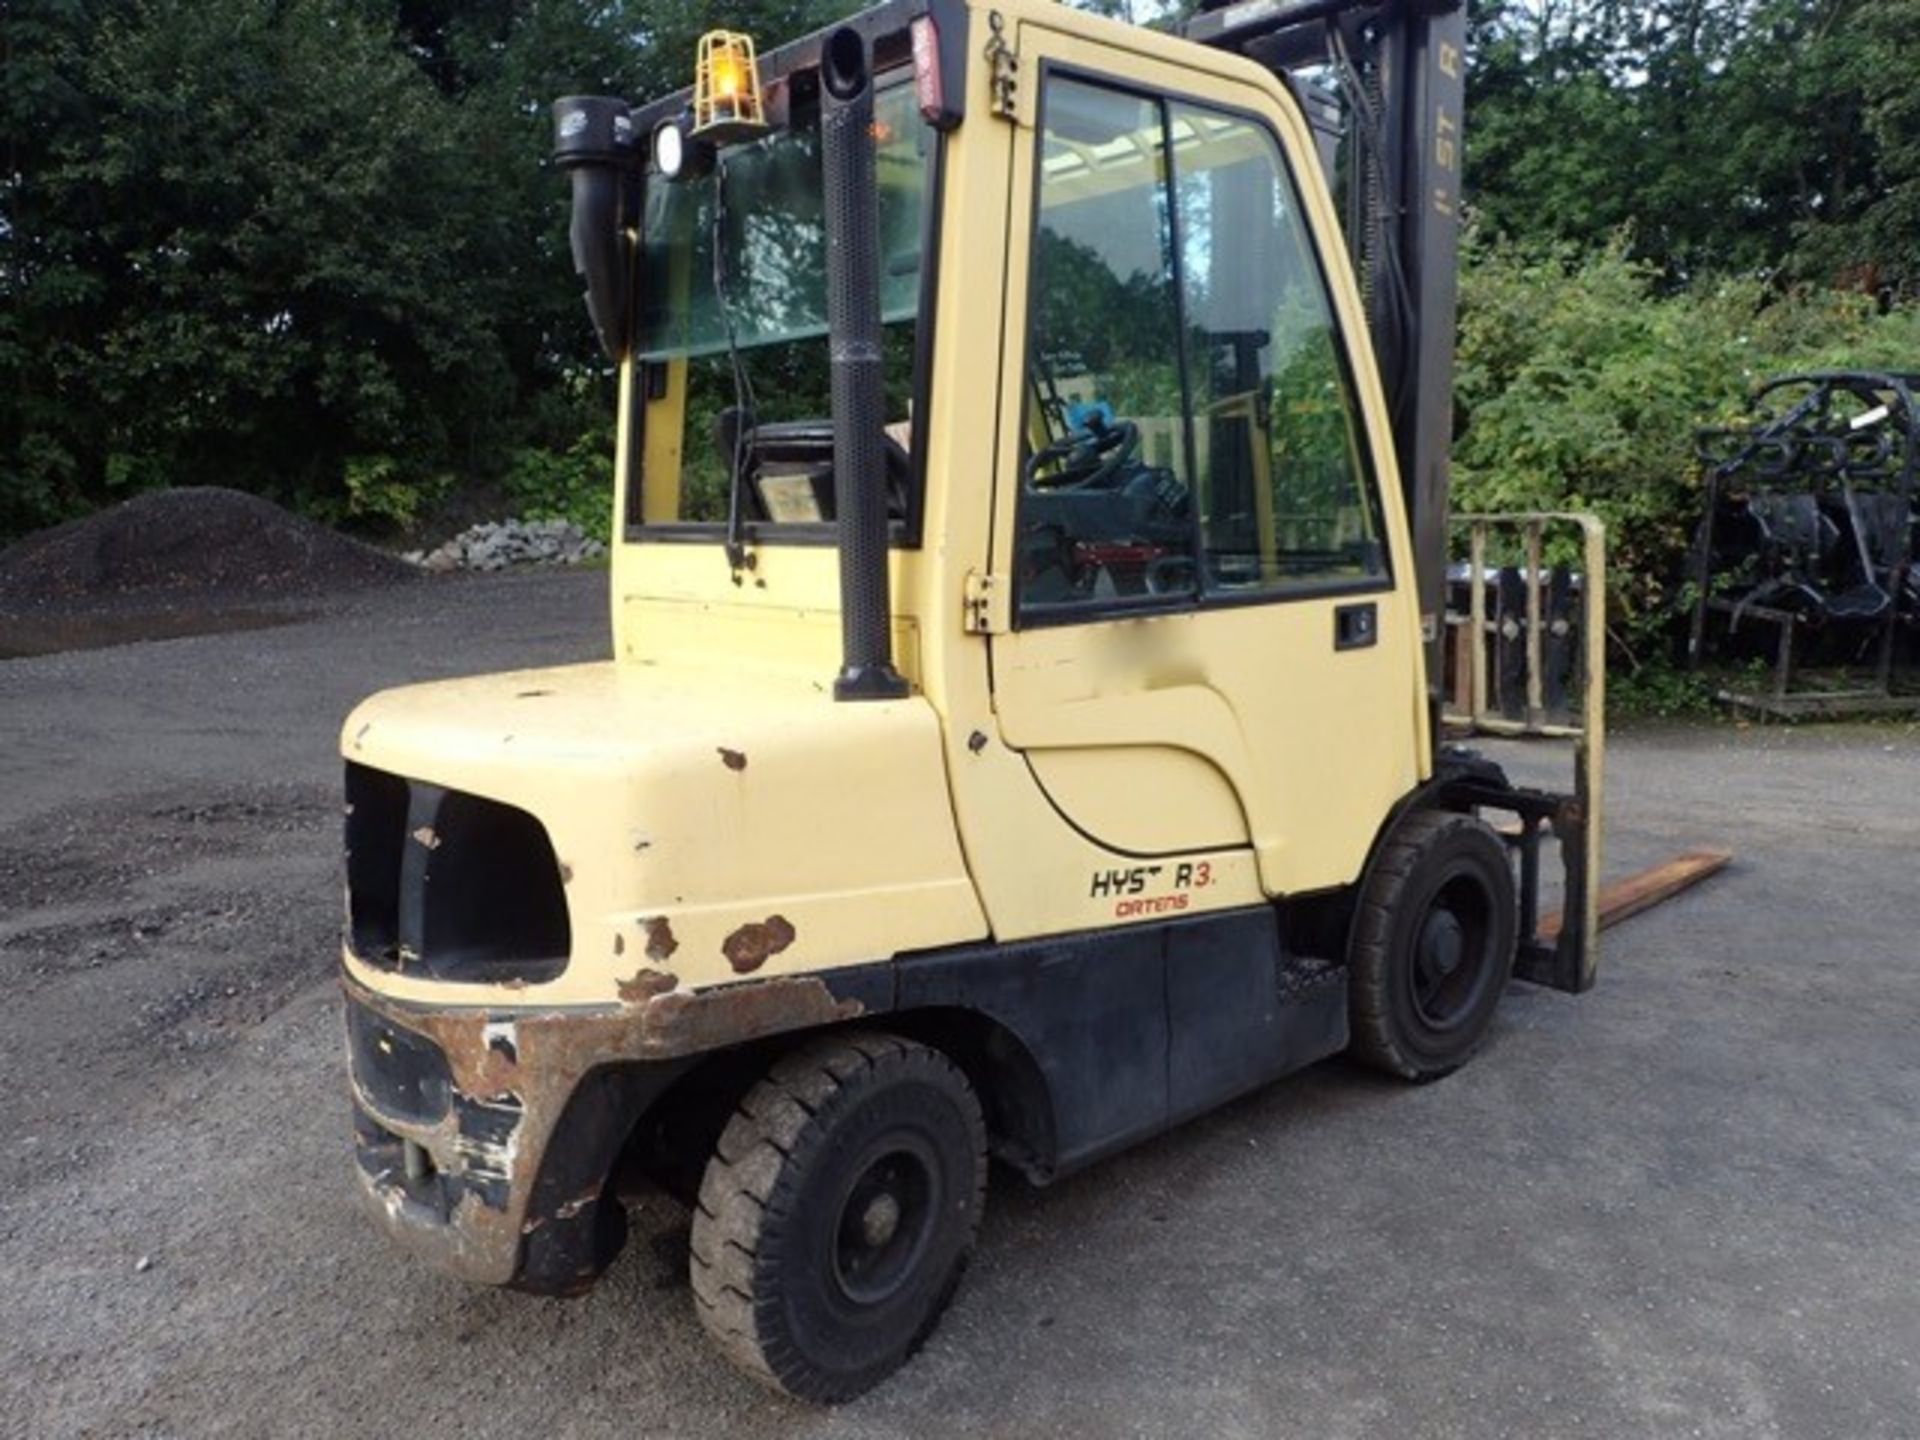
{"x": 185, "y": 561}
{"x": 1687, "y": 1204}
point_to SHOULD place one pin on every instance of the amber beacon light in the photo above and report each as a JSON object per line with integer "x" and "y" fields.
{"x": 726, "y": 89}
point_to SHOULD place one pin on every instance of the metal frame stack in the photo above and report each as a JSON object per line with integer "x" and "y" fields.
{"x": 1810, "y": 528}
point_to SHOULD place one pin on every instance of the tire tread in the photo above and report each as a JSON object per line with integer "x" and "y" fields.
{"x": 1372, "y": 1038}
{"x": 751, "y": 1181}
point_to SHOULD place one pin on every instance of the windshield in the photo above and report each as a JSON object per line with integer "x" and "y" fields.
{"x": 772, "y": 287}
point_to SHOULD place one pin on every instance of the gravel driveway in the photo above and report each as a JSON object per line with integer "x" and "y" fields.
{"x": 1687, "y": 1204}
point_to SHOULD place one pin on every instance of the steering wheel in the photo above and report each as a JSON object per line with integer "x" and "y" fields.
{"x": 1087, "y": 459}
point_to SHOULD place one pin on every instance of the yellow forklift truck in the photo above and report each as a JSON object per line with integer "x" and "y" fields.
{"x": 1022, "y": 732}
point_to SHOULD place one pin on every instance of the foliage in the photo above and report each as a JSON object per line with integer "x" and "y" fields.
{"x": 1664, "y": 692}
{"x": 247, "y": 262}
{"x": 1759, "y": 137}
{"x": 309, "y": 248}
{"x": 1582, "y": 380}
{"x": 379, "y": 490}
{"x": 573, "y": 484}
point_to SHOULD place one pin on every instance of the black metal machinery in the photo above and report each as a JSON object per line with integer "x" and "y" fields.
{"x": 854, "y": 354}
{"x": 1810, "y": 528}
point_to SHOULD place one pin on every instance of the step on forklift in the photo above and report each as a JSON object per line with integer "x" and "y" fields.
{"x": 1024, "y": 726}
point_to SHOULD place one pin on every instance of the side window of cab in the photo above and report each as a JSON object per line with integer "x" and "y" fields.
{"x": 1190, "y": 432}
{"x": 1288, "y": 500}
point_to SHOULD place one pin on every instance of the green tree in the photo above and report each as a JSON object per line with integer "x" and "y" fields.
{"x": 44, "y": 290}
{"x": 1759, "y": 137}
{"x": 253, "y": 262}
{"x": 311, "y": 248}
{"x": 1873, "y": 241}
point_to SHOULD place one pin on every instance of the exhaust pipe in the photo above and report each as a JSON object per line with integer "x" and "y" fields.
{"x": 859, "y": 396}
{"x": 593, "y": 142}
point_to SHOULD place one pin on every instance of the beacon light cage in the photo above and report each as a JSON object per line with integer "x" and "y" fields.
{"x": 726, "y": 89}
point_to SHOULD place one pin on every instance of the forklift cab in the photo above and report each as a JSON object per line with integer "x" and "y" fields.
{"x": 1142, "y": 507}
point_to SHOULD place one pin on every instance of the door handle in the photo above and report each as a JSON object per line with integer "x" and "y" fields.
{"x": 1356, "y": 626}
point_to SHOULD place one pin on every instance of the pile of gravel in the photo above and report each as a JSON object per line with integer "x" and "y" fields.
{"x": 497, "y": 544}
{"x": 198, "y": 546}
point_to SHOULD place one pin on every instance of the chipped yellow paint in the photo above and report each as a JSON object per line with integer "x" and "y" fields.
{"x": 836, "y": 818}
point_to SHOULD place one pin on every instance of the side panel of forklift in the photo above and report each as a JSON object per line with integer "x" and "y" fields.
{"x": 1210, "y": 641}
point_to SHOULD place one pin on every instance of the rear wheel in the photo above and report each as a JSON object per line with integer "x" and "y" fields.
{"x": 1432, "y": 946}
{"x": 838, "y": 1212}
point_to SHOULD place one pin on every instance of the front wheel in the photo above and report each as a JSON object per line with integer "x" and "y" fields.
{"x": 1432, "y": 946}
{"x": 838, "y": 1212}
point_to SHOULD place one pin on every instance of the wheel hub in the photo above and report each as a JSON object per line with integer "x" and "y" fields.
{"x": 1442, "y": 943}
{"x": 1452, "y": 957}
{"x": 884, "y": 1223}
{"x": 881, "y": 1220}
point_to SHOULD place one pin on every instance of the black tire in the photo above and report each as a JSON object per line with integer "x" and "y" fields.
{"x": 1432, "y": 946}
{"x": 838, "y": 1213}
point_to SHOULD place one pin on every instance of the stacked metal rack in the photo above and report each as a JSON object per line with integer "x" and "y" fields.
{"x": 1810, "y": 529}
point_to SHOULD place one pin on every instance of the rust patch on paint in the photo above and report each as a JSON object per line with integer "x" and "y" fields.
{"x": 660, "y": 940}
{"x": 522, "y": 1065}
{"x": 733, "y": 759}
{"x": 683, "y": 1023}
{"x": 646, "y": 982}
{"x": 749, "y": 947}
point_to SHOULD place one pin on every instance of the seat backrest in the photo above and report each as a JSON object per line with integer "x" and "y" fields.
{"x": 1797, "y": 533}
{"x": 1886, "y": 526}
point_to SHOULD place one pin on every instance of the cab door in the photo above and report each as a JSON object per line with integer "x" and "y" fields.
{"x": 1212, "y": 637}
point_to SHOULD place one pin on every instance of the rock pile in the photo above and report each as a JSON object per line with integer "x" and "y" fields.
{"x": 497, "y": 544}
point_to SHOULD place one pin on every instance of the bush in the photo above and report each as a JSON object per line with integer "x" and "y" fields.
{"x": 1581, "y": 383}
{"x": 258, "y": 251}
{"x": 573, "y": 484}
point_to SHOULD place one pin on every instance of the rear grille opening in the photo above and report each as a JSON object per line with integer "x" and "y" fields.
{"x": 376, "y": 833}
{"x": 494, "y": 904}
{"x": 449, "y": 884}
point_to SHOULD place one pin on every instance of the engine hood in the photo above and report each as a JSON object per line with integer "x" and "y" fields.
{"x": 708, "y": 824}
